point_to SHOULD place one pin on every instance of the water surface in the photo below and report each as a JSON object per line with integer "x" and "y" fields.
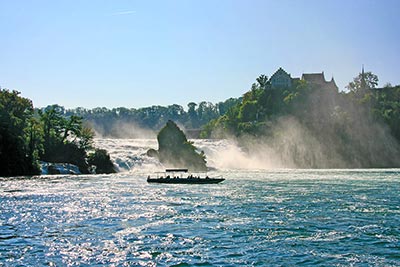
{"x": 254, "y": 218}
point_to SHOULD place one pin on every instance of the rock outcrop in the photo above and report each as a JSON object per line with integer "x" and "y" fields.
{"x": 101, "y": 162}
{"x": 174, "y": 150}
{"x": 59, "y": 168}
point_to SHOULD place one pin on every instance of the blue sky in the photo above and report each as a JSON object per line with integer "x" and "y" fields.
{"x": 142, "y": 53}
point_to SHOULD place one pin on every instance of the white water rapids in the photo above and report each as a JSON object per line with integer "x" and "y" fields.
{"x": 130, "y": 154}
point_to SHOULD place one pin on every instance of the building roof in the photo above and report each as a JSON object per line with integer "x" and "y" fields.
{"x": 280, "y": 71}
{"x": 311, "y": 78}
{"x": 319, "y": 79}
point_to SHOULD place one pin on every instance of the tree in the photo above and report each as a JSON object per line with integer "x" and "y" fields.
{"x": 248, "y": 111}
{"x": 86, "y": 138}
{"x": 192, "y": 114}
{"x": 223, "y": 107}
{"x": 35, "y": 138}
{"x": 52, "y": 123}
{"x": 65, "y": 138}
{"x": 191, "y": 107}
{"x": 16, "y": 152}
{"x": 72, "y": 127}
{"x": 262, "y": 81}
{"x": 174, "y": 111}
{"x": 363, "y": 82}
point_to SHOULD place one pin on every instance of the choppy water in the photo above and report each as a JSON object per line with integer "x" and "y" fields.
{"x": 254, "y": 218}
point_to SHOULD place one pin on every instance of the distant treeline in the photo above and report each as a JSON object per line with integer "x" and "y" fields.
{"x": 109, "y": 122}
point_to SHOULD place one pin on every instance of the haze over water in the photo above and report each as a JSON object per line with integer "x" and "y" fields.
{"x": 254, "y": 218}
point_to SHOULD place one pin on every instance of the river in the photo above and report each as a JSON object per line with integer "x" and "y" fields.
{"x": 264, "y": 217}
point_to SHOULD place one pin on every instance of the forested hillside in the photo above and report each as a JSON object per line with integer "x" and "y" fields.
{"x": 308, "y": 125}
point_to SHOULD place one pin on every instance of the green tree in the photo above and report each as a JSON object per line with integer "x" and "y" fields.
{"x": 363, "y": 81}
{"x": 34, "y": 134}
{"x": 262, "y": 81}
{"x": 192, "y": 114}
{"x": 52, "y": 123}
{"x": 72, "y": 128}
{"x": 17, "y": 155}
{"x": 65, "y": 138}
{"x": 387, "y": 108}
{"x": 224, "y": 106}
{"x": 248, "y": 111}
{"x": 85, "y": 140}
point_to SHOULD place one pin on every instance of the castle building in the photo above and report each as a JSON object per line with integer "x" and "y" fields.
{"x": 282, "y": 79}
{"x": 318, "y": 79}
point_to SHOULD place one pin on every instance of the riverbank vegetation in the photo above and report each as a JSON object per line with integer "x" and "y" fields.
{"x": 28, "y": 137}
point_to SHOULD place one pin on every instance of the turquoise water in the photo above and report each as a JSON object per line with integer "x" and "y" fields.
{"x": 257, "y": 218}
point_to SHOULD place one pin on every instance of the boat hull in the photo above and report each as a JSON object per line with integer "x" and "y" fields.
{"x": 185, "y": 180}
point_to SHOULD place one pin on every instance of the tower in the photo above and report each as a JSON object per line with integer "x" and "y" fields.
{"x": 363, "y": 83}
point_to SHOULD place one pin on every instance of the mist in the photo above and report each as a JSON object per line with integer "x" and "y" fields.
{"x": 328, "y": 131}
{"x": 228, "y": 154}
{"x": 122, "y": 130}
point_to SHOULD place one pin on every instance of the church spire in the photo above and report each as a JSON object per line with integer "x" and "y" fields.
{"x": 363, "y": 84}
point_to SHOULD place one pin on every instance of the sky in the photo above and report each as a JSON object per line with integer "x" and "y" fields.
{"x": 127, "y": 53}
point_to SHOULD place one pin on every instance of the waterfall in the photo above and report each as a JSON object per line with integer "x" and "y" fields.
{"x": 130, "y": 154}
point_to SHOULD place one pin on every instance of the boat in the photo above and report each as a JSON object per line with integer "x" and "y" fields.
{"x": 182, "y": 176}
